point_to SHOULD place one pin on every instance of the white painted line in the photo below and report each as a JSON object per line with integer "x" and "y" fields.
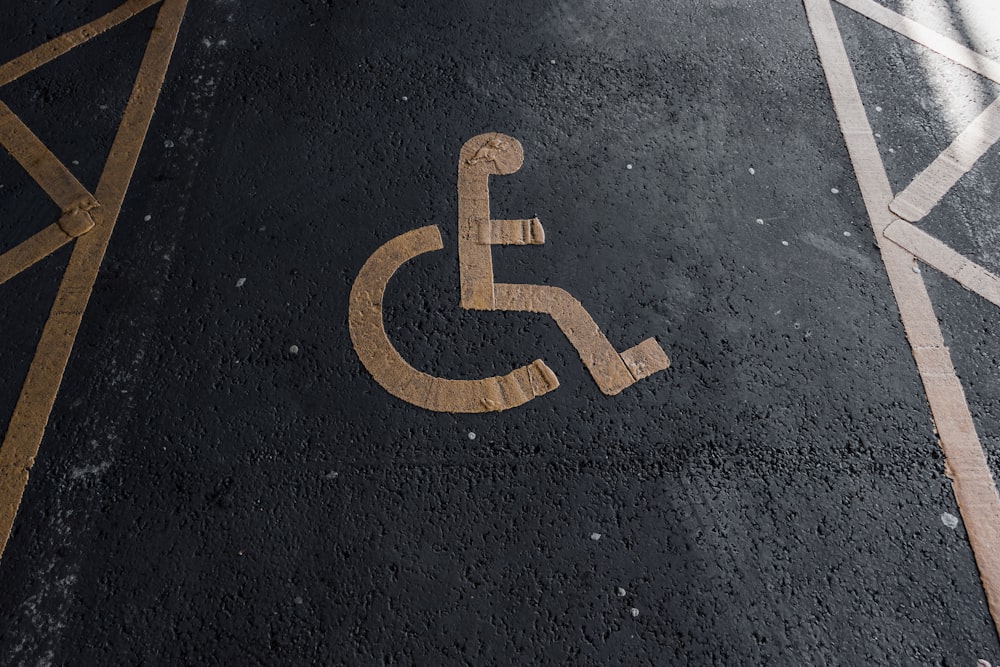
{"x": 935, "y": 41}
{"x": 935, "y": 181}
{"x": 965, "y": 462}
{"x": 929, "y": 250}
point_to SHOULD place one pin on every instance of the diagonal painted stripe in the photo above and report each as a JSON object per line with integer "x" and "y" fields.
{"x": 138, "y": 113}
{"x": 38, "y": 394}
{"x": 928, "y": 249}
{"x": 32, "y": 250}
{"x": 972, "y": 482}
{"x": 934, "y": 182}
{"x": 907, "y": 27}
{"x": 57, "y": 181}
{"x": 54, "y": 48}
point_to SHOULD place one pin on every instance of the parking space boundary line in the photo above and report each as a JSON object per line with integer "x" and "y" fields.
{"x": 965, "y": 462}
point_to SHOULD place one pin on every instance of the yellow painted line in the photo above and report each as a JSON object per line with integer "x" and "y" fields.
{"x": 935, "y": 41}
{"x": 400, "y": 379}
{"x": 929, "y": 250}
{"x": 138, "y": 112}
{"x": 52, "y": 49}
{"x": 31, "y": 414}
{"x": 33, "y": 156}
{"x": 927, "y": 189}
{"x": 966, "y": 465}
{"x": 34, "y": 249}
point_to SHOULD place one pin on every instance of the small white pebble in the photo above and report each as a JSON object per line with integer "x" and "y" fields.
{"x": 241, "y": 282}
{"x": 168, "y": 144}
{"x": 784, "y": 243}
{"x": 751, "y": 170}
{"x": 405, "y": 98}
{"x": 299, "y": 600}
{"x": 760, "y": 221}
{"x": 472, "y": 436}
{"x": 628, "y": 166}
{"x": 847, "y": 233}
{"x": 916, "y": 269}
{"x": 949, "y": 520}
{"x": 148, "y": 218}
{"x": 294, "y": 349}
{"x": 878, "y": 136}
{"x": 982, "y": 663}
{"x": 634, "y": 612}
{"x": 552, "y": 62}
{"x": 76, "y": 162}
{"x": 620, "y": 592}
{"x": 835, "y": 191}
{"x": 595, "y": 536}
{"x": 892, "y": 150}
{"x": 878, "y": 108}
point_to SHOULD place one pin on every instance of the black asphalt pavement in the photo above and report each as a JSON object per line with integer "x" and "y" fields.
{"x": 222, "y": 482}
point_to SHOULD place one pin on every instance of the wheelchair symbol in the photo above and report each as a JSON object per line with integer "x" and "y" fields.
{"x": 481, "y": 157}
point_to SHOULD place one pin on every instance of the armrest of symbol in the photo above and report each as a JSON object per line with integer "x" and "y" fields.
{"x": 511, "y": 232}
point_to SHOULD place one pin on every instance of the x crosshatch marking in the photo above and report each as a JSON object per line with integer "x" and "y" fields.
{"x": 901, "y": 244}
{"x": 87, "y": 221}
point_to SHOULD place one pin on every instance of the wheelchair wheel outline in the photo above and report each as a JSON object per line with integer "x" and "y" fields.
{"x": 399, "y": 378}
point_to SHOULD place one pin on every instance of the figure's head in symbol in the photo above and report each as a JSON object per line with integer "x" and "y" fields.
{"x": 493, "y": 153}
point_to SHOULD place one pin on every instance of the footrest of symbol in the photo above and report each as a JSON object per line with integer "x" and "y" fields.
{"x": 645, "y": 359}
